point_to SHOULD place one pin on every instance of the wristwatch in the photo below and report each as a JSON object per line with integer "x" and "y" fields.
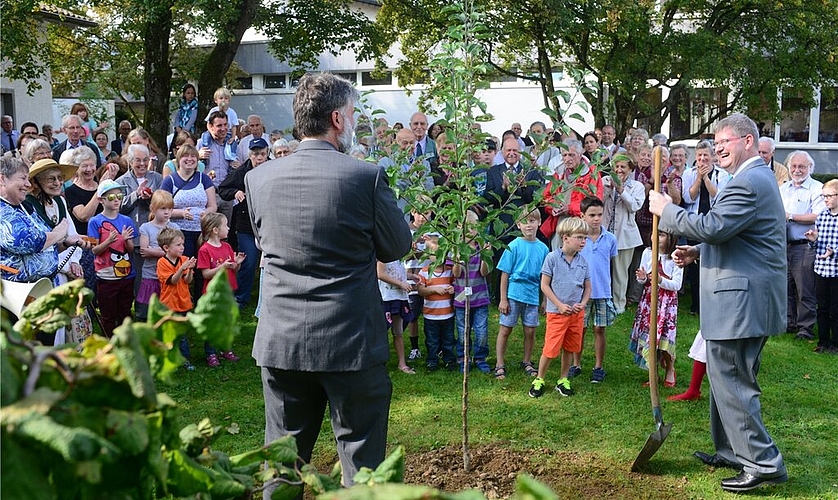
{"x": 791, "y": 217}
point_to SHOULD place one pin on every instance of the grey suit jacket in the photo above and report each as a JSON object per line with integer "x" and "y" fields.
{"x": 322, "y": 220}
{"x": 743, "y": 256}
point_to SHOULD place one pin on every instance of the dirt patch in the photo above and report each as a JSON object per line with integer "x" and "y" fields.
{"x": 495, "y": 466}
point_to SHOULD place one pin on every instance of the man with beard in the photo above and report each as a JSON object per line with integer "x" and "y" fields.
{"x": 322, "y": 219}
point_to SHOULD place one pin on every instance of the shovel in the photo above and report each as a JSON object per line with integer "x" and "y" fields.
{"x": 661, "y": 429}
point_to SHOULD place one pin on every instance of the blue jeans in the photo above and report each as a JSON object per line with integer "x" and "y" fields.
{"x": 439, "y": 336}
{"x": 247, "y": 271}
{"x": 479, "y": 323}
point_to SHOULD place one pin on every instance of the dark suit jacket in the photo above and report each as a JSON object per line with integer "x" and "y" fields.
{"x": 116, "y": 146}
{"x": 496, "y": 196}
{"x": 62, "y": 146}
{"x": 743, "y": 256}
{"x": 322, "y": 220}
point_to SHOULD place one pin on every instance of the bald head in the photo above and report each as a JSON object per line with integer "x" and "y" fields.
{"x": 406, "y": 140}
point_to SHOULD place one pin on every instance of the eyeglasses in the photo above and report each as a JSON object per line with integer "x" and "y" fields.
{"x": 828, "y": 196}
{"x": 54, "y": 178}
{"x": 115, "y": 196}
{"x": 141, "y": 161}
{"x": 420, "y": 123}
{"x": 723, "y": 142}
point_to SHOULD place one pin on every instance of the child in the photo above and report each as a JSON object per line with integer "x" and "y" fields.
{"x": 825, "y": 240}
{"x": 174, "y": 274}
{"x": 698, "y": 352}
{"x": 520, "y": 268}
{"x": 473, "y": 276}
{"x": 669, "y": 282}
{"x": 600, "y": 249}
{"x": 394, "y": 287}
{"x": 222, "y": 100}
{"x": 415, "y": 262}
{"x": 161, "y": 207}
{"x": 215, "y": 256}
{"x": 112, "y": 256}
{"x": 436, "y": 285}
{"x": 187, "y": 111}
{"x": 566, "y": 282}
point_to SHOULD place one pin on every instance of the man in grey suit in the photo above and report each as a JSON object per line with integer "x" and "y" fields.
{"x": 743, "y": 299}
{"x": 322, "y": 220}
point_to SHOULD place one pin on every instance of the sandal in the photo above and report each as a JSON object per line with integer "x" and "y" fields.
{"x": 500, "y": 372}
{"x": 408, "y": 370}
{"x": 529, "y": 369}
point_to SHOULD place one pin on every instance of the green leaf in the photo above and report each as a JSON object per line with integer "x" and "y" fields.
{"x": 391, "y": 470}
{"x": 392, "y": 492}
{"x": 319, "y": 483}
{"x": 10, "y": 377}
{"x": 283, "y": 451}
{"x": 576, "y": 116}
{"x": 215, "y": 318}
{"x": 74, "y": 444}
{"x": 23, "y": 475}
{"x": 286, "y": 491}
{"x": 39, "y": 403}
{"x": 186, "y": 477}
{"x": 133, "y": 361}
{"x": 128, "y": 430}
{"x": 528, "y": 488}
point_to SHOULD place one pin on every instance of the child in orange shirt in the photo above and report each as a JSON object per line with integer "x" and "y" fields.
{"x": 174, "y": 271}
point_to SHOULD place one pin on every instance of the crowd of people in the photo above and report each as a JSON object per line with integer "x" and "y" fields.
{"x": 136, "y": 220}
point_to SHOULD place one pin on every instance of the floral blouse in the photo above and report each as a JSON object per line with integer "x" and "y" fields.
{"x": 22, "y": 238}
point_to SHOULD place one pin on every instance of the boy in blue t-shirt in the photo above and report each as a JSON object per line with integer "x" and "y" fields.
{"x": 520, "y": 283}
{"x": 600, "y": 248}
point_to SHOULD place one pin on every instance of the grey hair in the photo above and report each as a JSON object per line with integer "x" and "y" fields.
{"x": 678, "y": 146}
{"x": 65, "y": 122}
{"x": 81, "y": 154}
{"x": 292, "y": 144}
{"x": 574, "y": 144}
{"x": 739, "y": 124}
{"x": 641, "y": 132}
{"x": 32, "y": 146}
{"x": 279, "y": 143}
{"x": 316, "y": 98}
{"x": 706, "y": 144}
{"x": 10, "y": 165}
{"x": 358, "y": 149}
{"x": 808, "y": 157}
{"x": 660, "y": 138}
{"x": 768, "y": 141}
{"x": 132, "y": 150}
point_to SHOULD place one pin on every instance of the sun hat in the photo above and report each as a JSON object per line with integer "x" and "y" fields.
{"x": 40, "y": 166}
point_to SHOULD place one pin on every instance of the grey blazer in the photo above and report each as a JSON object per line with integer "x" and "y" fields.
{"x": 322, "y": 220}
{"x": 743, "y": 256}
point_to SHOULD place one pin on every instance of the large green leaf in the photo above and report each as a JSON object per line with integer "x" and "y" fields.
{"x": 23, "y": 474}
{"x": 186, "y": 477}
{"x": 528, "y": 488}
{"x": 133, "y": 361}
{"x": 216, "y": 316}
{"x": 128, "y": 430}
{"x": 39, "y": 403}
{"x": 283, "y": 450}
{"x": 74, "y": 444}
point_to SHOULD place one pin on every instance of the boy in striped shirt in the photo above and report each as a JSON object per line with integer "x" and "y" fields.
{"x": 436, "y": 285}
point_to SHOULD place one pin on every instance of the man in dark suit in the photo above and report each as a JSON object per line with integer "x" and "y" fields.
{"x": 71, "y": 124}
{"x": 118, "y": 144}
{"x": 743, "y": 299}
{"x": 322, "y": 220}
{"x": 9, "y": 135}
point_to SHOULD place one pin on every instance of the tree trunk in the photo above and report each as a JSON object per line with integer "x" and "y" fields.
{"x": 158, "y": 70}
{"x": 221, "y": 57}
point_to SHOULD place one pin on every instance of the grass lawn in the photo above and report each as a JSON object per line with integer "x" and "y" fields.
{"x": 605, "y": 424}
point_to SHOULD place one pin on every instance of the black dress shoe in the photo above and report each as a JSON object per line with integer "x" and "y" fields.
{"x": 746, "y": 481}
{"x": 716, "y": 461}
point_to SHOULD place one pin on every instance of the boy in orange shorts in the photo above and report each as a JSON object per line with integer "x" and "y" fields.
{"x": 566, "y": 283}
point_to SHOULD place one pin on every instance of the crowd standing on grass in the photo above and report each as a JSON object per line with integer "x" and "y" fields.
{"x": 136, "y": 220}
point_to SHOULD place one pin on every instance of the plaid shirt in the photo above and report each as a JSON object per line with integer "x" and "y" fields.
{"x": 827, "y": 224}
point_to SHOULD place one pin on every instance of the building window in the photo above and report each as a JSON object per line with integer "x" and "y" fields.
{"x": 275, "y": 82}
{"x": 828, "y": 125}
{"x": 795, "y": 113}
{"x": 245, "y": 82}
{"x": 368, "y": 80}
{"x": 352, "y": 77}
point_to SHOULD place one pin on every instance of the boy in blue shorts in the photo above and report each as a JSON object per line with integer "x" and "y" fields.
{"x": 600, "y": 248}
{"x": 520, "y": 279}
{"x": 566, "y": 282}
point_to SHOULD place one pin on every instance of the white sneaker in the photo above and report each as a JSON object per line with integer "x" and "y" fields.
{"x": 414, "y": 354}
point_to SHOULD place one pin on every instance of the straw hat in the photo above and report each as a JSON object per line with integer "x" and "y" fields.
{"x": 68, "y": 171}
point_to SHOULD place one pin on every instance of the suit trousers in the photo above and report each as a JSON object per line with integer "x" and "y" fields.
{"x": 736, "y": 426}
{"x": 801, "y": 285}
{"x": 359, "y": 406}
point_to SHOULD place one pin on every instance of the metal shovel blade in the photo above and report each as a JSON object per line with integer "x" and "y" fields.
{"x": 651, "y": 447}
